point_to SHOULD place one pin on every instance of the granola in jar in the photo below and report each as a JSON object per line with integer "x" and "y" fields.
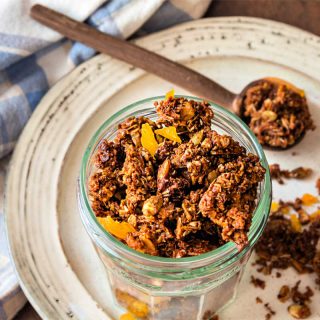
{"x": 175, "y": 187}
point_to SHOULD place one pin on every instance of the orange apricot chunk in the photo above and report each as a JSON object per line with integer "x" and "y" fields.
{"x": 169, "y": 133}
{"x": 117, "y": 229}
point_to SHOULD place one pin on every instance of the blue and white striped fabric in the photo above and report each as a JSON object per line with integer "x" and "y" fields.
{"x": 33, "y": 58}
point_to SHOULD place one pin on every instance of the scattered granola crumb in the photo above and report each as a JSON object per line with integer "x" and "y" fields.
{"x": 278, "y": 274}
{"x": 270, "y": 313}
{"x": 258, "y": 300}
{"x": 298, "y": 173}
{"x": 281, "y": 246}
{"x": 301, "y": 297}
{"x": 258, "y": 283}
{"x": 284, "y": 293}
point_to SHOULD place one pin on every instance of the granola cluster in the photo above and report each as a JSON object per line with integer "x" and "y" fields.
{"x": 196, "y": 192}
{"x": 277, "y": 114}
{"x": 285, "y": 243}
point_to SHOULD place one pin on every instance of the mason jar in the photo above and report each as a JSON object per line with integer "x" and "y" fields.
{"x": 152, "y": 287}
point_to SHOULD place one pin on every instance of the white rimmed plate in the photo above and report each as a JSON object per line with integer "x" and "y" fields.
{"x": 58, "y": 268}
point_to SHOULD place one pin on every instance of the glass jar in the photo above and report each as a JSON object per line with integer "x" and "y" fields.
{"x": 169, "y": 288}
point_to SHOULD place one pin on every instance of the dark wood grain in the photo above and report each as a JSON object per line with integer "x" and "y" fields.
{"x": 171, "y": 71}
{"x": 304, "y": 14}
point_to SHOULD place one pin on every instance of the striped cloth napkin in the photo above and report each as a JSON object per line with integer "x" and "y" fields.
{"x": 33, "y": 58}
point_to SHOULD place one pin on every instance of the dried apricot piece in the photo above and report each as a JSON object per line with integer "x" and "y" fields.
{"x": 170, "y": 94}
{"x": 148, "y": 140}
{"x": 295, "y": 223}
{"x": 274, "y": 206}
{"x": 117, "y": 229}
{"x": 132, "y": 304}
{"x": 169, "y": 133}
{"x": 139, "y": 309}
{"x": 127, "y": 316}
{"x": 308, "y": 199}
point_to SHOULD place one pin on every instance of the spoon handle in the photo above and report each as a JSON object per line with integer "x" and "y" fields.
{"x": 134, "y": 55}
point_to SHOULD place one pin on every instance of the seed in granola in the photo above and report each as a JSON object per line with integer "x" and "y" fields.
{"x": 299, "y": 311}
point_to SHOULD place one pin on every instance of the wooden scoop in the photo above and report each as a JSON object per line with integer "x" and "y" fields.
{"x": 139, "y": 57}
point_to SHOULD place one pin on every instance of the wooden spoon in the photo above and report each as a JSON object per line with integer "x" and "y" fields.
{"x": 156, "y": 64}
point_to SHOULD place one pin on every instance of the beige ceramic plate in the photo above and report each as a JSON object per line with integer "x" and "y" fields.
{"x": 58, "y": 268}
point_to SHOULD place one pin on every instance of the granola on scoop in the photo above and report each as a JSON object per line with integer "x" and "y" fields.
{"x": 277, "y": 114}
{"x": 176, "y": 187}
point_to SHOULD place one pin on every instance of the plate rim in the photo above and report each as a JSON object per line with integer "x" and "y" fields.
{"x": 60, "y": 87}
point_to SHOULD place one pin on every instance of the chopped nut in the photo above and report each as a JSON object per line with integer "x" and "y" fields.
{"x": 284, "y": 293}
{"x": 269, "y": 115}
{"x": 212, "y": 175}
{"x": 299, "y": 311}
{"x": 187, "y": 111}
{"x": 152, "y": 205}
{"x": 197, "y": 137}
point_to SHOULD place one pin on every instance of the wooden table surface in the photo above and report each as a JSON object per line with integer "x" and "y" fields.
{"x": 304, "y": 14}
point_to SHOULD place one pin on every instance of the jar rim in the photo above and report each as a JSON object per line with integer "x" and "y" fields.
{"x": 228, "y": 249}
